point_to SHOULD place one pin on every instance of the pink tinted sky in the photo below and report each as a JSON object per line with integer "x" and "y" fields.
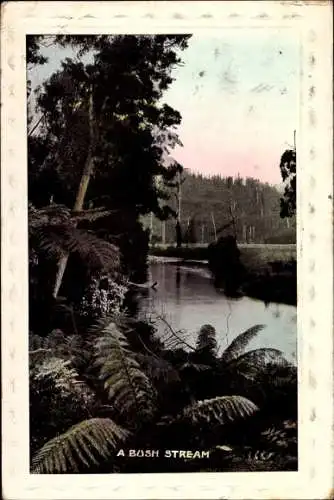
{"x": 238, "y": 96}
{"x": 237, "y": 92}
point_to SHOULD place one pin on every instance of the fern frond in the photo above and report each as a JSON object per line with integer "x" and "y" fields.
{"x": 84, "y": 444}
{"x": 58, "y": 240}
{"x": 255, "y": 361}
{"x": 53, "y": 230}
{"x": 237, "y": 347}
{"x": 56, "y": 214}
{"x": 126, "y": 383}
{"x": 279, "y": 378}
{"x": 58, "y": 369}
{"x": 220, "y": 410}
{"x": 275, "y": 436}
{"x": 91, "y": 215}
{"x": 206, "y": 339}
{"x": 71, "y": 347}
{"x": 59, "y": 345}
{"x": 50, "y": 215}
{"x": 65, "y": 378}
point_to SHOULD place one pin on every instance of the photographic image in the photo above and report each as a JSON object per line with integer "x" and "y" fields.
{"x": 162, "y": 251}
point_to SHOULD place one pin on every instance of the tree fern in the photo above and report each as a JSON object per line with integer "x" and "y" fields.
{"x": 50, "y": 215}
{"x": 65, "y": 378}
{"x": 258, "y": 359}
{"x": 206, "y": 338}
{"x": 238, "y": 345}
{"x": 56, "y": 214}
{"x": 83, "y": 445}
{"x": 127, "y": 385}
{"x": 90, "y": 215}
{"x": 206, "y": 344}
{"x": 95, "y": 252}
{"x": 220, "y": 410}
{"x": 53, "y": 230}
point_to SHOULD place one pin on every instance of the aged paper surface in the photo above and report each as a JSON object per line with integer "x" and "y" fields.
{"x": 309, "y": 24}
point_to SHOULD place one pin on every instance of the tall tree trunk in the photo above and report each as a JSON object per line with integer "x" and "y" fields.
{"x": 214, "y": 225}
{"x": 151, "y": 227}
{"x": 179, "y": 197}
{"x": 231, "y": 210}
{"x": 178, "y": 221}
{"x": 163, "y": 232}
{"x": 244, "y": 233}
{"x": 82, "y": 189}
{"x": 187, "y": 238}
{"x": 178, "y": 235}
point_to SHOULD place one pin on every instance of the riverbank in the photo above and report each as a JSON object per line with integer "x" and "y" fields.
{"x": 252, "y": 254}
{"x": 276, "y": 283}
{"x": 270, "y": 270}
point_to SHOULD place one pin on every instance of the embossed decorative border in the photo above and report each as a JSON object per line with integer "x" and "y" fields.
{"x": 311, "y": 21}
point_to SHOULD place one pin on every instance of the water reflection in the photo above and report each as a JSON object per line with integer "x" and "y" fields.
{"x": 276, "y": 312}
{"x": 178, "y": 284}
{"x": 188, "y": 299}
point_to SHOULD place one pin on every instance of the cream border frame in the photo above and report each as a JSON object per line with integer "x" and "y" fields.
{"x": 312, "y": 23}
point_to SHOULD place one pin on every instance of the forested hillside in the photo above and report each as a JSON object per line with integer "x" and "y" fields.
{"x": 211, "y": 206}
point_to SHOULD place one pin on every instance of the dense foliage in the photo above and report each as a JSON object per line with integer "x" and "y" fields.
{"x": 105, "y": 138}
{"x": 289, "y": 175}
{"x": 102, "y": 381}
{"x": 94, "y": 395}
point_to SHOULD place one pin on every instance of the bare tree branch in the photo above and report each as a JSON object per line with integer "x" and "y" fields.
{"x": 174, "y": 333}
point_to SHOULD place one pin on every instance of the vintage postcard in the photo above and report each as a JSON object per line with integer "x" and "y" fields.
{"x": 167, "y": 250}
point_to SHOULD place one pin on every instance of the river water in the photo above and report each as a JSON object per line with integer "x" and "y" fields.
{"x": 187, "y": 299}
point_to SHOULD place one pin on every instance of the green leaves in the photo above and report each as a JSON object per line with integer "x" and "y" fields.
{"x": 33, "y": 50}
{"x": 128, "y": 387}
{"x": 288, "y": 171}
{"x": 254, "y": 363}
{"x": 52, "y": 230}
{"x": 83, "y": 445}
{"x": 126, "y": 377}
{"x": 129, "y": 76}
{"x": 220, "y": 410}
{"x": 238, "y": 345}
{"x": 207, "y": 339}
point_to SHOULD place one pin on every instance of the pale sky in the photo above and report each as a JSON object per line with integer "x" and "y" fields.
{"x": 238, "y": 96}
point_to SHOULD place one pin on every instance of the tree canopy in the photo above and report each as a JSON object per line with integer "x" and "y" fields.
{"x": 133, "y": 132}
{"x": 288, "y": 171}
{"x": 105, "y": 118}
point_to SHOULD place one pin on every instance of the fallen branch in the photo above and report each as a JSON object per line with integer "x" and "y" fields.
{"x": 174, "y": 334}
{"x": 41, "y": 349}
{"x": 144, "y": 285}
